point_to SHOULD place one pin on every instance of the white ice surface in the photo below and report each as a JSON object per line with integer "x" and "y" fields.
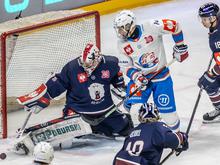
{"x": 204, "y": 139}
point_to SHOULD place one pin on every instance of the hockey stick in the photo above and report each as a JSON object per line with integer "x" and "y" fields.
{"x": 97, "y": 121}
{"x": 49, "y": 123}
{"x": 21, "y": 131}
{"x": 191, "y": 118}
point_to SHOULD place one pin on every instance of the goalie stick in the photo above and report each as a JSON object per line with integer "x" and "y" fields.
{"x": 97, "y": 121}
{"x": 191, "y": 118}
{"x": 21, "y": 131}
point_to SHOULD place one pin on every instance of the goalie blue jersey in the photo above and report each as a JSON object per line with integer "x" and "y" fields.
{"x": 145, "y": 144}
{"x": 88, "y": 95}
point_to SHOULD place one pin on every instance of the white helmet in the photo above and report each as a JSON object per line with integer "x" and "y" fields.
{"x": 43, "y": 153}
{"x": 125, "y": 23}
{"x": 90, "y": 58}
{"x": 148, "y": 113}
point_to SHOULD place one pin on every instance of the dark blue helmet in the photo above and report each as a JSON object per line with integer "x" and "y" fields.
{"x": 208, "y": 9}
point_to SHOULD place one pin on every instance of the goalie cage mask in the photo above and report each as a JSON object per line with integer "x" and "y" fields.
{"x": 90, "y": 58}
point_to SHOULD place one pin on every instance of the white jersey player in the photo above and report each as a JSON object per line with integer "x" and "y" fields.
{"x": 143, "y": 46}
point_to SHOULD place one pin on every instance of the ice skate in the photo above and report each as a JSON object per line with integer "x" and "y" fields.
{"x": 212, "y": 117}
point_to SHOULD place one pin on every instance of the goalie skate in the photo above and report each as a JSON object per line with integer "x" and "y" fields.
{"x": 212, "y": 117}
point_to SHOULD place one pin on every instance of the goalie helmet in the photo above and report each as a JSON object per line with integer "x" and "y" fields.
{"x": 90, "y": 58}
{"x": 124, "y": 24}
{"x": 148, "y": 113}
{"x": 43, "y": 153}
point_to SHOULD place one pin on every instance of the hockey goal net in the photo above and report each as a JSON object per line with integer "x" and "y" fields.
{"x": 33, "y": 47}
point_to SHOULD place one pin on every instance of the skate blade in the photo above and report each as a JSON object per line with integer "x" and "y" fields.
{"x": 216, "y": 120}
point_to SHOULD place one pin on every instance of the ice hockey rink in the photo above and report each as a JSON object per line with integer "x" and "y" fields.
{"x": 203, "y": 139}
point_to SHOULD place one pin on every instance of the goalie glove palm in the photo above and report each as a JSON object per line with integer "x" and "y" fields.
{"x": 36, "y": 100}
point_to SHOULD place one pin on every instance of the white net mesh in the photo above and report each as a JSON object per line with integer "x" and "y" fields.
{"x": 34, "y": 54}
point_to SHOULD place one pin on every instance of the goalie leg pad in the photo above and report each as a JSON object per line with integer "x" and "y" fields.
{"x": 58, "y": 129}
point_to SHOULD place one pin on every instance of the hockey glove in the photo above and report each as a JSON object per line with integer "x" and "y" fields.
{"x": 180, "y": 52}
{"x": 184, "y": 145}
{"x": 36, "y": 100}
{"x": 119, "y": 92}
{"x": 141, "y": 81}
{"x": 208, "y": 81}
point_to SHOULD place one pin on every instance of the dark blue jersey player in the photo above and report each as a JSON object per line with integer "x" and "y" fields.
{"x": 210, "y": 81}
{"x": 145, "y": 144}
{"x": 87, "y": 81}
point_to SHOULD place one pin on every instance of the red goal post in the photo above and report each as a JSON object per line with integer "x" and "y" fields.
{"x": 33, "y": 47}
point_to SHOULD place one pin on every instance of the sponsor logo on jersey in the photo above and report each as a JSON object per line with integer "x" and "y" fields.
{"x": 82, "y": 77}
{"x": 96, "y": 92}
{"x": 128, "y": 49}
{"x": 148, "y": 60}
{"x": 105, "y": 74}
{"x": 163, "y": 100}
{"x": 169, "y": 25}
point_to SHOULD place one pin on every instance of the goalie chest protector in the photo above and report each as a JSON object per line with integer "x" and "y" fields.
{"x": 86, "y": 94}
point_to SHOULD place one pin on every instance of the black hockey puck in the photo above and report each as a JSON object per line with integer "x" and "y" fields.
{"x": 3, "y": 156}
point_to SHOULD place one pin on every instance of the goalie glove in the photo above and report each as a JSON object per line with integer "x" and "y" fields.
{"x": 36, "y": 100}
{"x": 180, "y": 52}
{"x": 119, "y": 92}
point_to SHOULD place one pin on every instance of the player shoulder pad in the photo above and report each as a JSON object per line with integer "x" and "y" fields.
{"x": 110, "y": 59}
{"x": 73, "y": 63}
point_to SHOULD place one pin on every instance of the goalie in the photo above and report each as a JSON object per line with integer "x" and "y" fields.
{"x": 87, "y": 81}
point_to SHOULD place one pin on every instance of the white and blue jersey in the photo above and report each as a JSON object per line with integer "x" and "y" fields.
{"x": 145, "y": 54}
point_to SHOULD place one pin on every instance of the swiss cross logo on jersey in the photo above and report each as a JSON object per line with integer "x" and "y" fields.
{"x": 128, "y": 50}
{"x": 169, "y": 25}
{"x": 217, "y": 58}
{"x": 82, "y": 77}
{"x": 105, "y": 73}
